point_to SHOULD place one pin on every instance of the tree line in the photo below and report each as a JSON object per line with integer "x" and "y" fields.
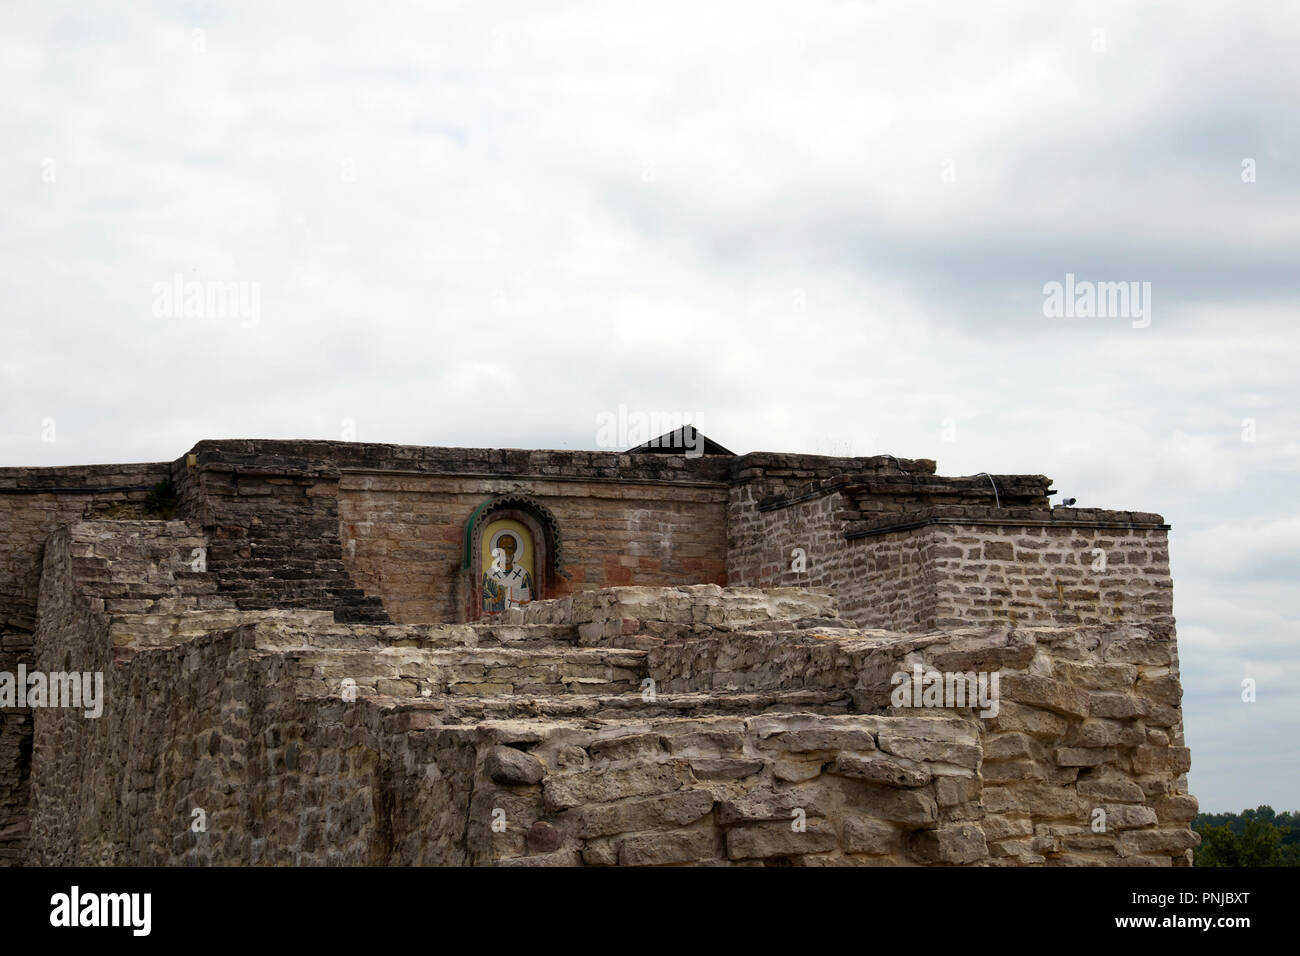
{"x": 1259, "y": 837}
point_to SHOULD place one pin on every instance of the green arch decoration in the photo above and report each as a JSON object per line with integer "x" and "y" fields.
{"x": 523, "y": 503}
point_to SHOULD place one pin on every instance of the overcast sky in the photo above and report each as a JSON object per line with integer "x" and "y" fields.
{"x": 807, "y": 227}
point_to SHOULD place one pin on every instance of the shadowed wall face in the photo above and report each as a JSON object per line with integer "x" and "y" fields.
{"x": 34, "y": 503}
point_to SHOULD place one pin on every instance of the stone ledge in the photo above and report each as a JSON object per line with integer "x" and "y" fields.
{"x": 1012, "y": 518}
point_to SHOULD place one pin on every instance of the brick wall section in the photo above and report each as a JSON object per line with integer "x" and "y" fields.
{"x": 1017, "y": 565}
{"x": 888, "y": 582}
{"x": 763, "y": 484}
{"x": 777, "y": 474}
{"x": 774, "y": 508}
{"x": 403, "y": 536}
{"x": 273, "y": 530}
{"x": 761, "y": 544}
{"x": 399, "y": 513}
{"x": 1052, "y": 574}
{"x": 896, "y": 559}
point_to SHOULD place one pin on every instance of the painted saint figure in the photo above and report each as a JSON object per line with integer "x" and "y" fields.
{"x": 505, "y": 585}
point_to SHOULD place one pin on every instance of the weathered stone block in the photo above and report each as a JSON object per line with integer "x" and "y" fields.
{"x": 881, "y": 769}
{"x": 762, "y": 840}
{"x": 1045, "y": 693}
{"x": 1148, "y": 759}
{"x": 1111, "y": 789}
{"x": 1008, "y": 746}
{"x": 911, "y": 807}
{"x": 954, "y": 791}
{"x": 1116, "y": 706}
{"x": 955, "y": 844}
{"x": 999, "y": 827}
{"x": 1176, "y": 808}
{"x": 659, "y": 849}
{"x": 510, "y": 766}
{"x": 807, "y": 741}
{"x": 1128, "y": 817}
{"x": 725, "y": 768}
{"x": 796, "y": 771}
{"x": 563, "y": 791}
{"x": 1040, "y": 799}
{"x": 1030, "y": 720}
{"x": 1085, "y": 756}
{"x": 860, "y": 834}
{"x": 1159, "y": 841}
{"x": 1008, "y": 771}
{"x": 759, "y": 805}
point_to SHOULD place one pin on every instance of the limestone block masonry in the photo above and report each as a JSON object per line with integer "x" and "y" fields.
{"x": 709, "y": 678}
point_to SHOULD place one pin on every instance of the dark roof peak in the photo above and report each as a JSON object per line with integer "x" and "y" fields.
{"x": 686, "y": 440}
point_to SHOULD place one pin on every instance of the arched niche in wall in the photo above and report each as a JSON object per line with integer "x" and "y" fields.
{"x": 512, "y": 555}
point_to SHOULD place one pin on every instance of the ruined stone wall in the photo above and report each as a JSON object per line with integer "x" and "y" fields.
{"x": 404, "y": 536}
{"x": 803, "y": 789}
{"x": 96, "y": 576}
{"x": 180, "y": 727}
{"x": 1084, "y": 763}
{"x": 34, "y": 502}
{"x": 207, "y": 726}
{"x": 613, "y": 725}
{"x": 1087, "y": 721}
{"x": 767, "y": 734}
{"x": 72, "y": 637}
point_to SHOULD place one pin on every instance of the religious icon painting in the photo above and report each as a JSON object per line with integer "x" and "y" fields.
{"x": 508, "y": 572}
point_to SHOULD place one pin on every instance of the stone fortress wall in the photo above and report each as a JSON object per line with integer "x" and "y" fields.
{"x": 35, "y": 503}
{"x": 315, "y": 691}
{"x": 919, "y": 551}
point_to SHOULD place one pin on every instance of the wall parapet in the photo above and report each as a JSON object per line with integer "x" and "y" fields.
{"x": 1009, "y": 517}
{"x": 900, "y": 491}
